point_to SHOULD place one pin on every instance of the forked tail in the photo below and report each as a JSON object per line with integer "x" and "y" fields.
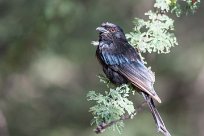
{"x": 157, "y": 118}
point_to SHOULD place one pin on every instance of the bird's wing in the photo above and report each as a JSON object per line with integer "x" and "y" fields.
{"x": 113, "y": 55}
{"x": 140, "y": 76}
{"x": 122, "y": 57}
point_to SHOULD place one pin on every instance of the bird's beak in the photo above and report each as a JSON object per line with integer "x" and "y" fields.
{"x": 102, "y": 29}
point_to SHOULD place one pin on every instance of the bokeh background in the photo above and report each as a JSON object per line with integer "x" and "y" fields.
{"x": 47, "y": 66}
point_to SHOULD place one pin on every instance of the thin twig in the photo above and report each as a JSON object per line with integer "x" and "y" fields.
{"x": 101, "y": 128}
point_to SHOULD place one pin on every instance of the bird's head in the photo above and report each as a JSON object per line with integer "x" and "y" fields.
{"x": 111, "y": 31}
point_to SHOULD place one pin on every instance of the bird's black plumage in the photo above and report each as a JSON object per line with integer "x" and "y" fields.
{"x": 121, "y": 64}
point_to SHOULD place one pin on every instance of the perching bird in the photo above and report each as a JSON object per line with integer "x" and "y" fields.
{"x": 122, "y": 64}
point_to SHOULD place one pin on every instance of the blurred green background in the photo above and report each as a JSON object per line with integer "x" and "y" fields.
{"x": 47, "y": 66}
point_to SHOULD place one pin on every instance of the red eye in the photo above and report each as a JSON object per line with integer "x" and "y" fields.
{"x": 112, "y": 30}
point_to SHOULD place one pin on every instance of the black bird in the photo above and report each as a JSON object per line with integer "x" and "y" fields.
{"x": 122, "y": 64}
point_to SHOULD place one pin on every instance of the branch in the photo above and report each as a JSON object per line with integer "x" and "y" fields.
{"x": 101, "y": 128}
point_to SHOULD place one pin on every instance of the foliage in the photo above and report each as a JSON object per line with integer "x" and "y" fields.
{"x": 111, "y": 106}
{"x": 152, "y": 35}
{"x": 184, "y": 6}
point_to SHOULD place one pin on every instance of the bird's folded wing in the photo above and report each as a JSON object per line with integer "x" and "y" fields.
{"x": 113, "y": 55}
{"x": 139, "y": 76}
{"x": 125, "y": 61}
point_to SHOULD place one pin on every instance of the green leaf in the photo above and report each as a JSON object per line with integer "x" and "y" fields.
{"x": 157, "y": 35}
{"x": 111, "y": 105}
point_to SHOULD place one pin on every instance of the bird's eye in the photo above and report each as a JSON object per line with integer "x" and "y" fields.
{"x": 112, "y": 29}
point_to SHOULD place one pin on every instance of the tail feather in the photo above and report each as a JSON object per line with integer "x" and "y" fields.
{"x": 157, "y": 118}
